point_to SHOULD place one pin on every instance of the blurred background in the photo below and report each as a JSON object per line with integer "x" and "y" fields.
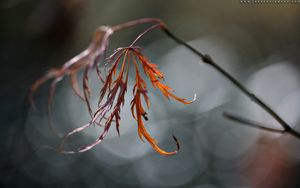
{"x": 257, "y": 43}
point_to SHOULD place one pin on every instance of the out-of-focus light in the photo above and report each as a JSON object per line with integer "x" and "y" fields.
{"x": 273, "y": 84}
{"x": 188, "y": 74}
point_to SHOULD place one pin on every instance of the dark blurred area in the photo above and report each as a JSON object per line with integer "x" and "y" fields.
{"x": 258, "y": 43}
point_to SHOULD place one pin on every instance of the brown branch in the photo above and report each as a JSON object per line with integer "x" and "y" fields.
{"x": 254, "y": 124}
{"x": 250, "y": 123}
{"x": 208, "y": 60}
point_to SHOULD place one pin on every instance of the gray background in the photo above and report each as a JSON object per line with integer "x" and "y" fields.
{"x": 257, "y": 43}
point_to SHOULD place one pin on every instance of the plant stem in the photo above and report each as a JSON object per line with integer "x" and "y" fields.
{"x": 132, "y": 23}
{"x": 208, "y": 60}
{"x": 142, "y": 34}
{"x": 251, "y": 123}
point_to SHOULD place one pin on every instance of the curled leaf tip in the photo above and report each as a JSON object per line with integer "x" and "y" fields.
{"x": 177, "y": 142}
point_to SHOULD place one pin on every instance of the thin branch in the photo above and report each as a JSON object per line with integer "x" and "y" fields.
{"x": 208, "y": 60}
{"x": 250, "y": 123}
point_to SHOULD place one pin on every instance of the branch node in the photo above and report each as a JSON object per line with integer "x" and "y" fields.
{"x": 207, "y": 59}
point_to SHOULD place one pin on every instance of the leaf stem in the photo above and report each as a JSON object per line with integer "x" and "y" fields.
{"x": 132, "y": 23}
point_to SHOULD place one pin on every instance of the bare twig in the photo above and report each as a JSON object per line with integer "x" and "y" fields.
{"x": 208, "y": 60}
{"x": 254, "y": 124}
{"x": 250, "y": 123}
